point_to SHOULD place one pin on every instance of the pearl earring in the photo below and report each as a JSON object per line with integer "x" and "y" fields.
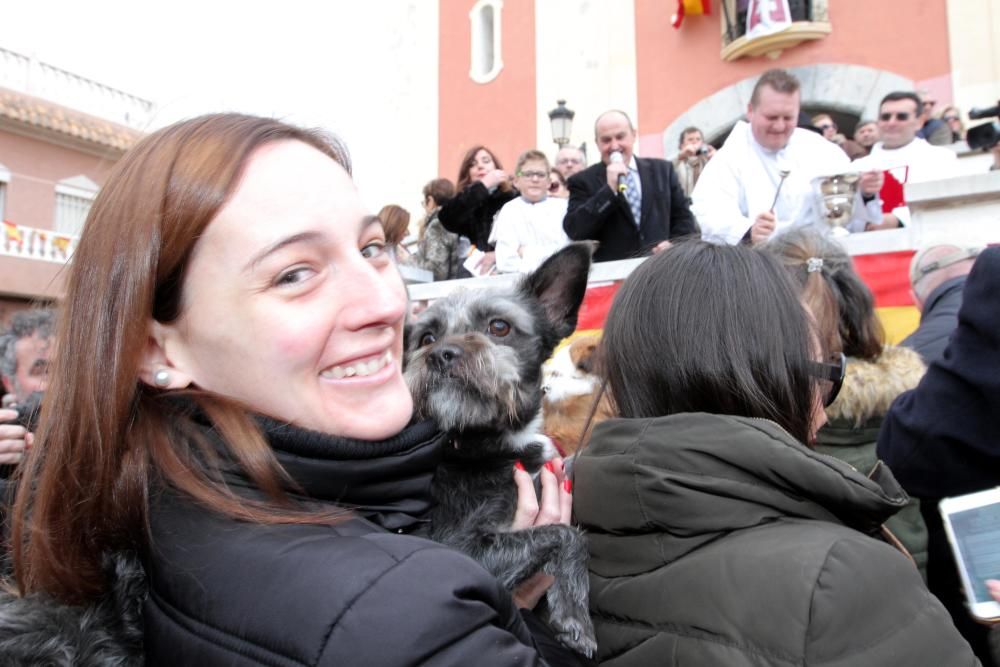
{"x": 161, "y": 378}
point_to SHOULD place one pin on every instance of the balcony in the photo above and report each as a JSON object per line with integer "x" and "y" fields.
{"x": 810, "y": 21}
{"x": 32, "y": 261}
{"x": 44, "y": 245}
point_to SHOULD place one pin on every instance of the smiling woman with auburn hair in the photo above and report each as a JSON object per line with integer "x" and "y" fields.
{"x": 228, "y": 411}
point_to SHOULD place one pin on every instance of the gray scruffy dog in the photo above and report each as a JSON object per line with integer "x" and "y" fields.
{"x": 474, "y": 364}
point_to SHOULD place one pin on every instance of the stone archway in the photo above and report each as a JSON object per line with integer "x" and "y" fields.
{"x": 852, "y": 89}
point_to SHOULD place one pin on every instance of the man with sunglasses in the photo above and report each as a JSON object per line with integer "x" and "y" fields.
{"x": 934, "y": 130}
{"x": 903, "y": 156}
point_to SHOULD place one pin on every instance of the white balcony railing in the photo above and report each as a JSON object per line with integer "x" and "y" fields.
{"x": 39, "y": 244}
{"x": 33, "y": 77}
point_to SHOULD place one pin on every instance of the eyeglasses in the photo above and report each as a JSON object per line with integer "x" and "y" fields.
{"x": 569, "y": 160}
{"x": 901, "y": 116}
{"x": 824, "y": 127}
{"x": 949, "y": 119}
{"x": 832, "y": 373}
{"x": 533, "y": 175}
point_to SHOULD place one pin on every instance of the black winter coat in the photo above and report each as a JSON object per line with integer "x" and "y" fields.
{"x": 224, "y": 592}
{"x": 470, "y": 213}
{"x": 719, "y": 540}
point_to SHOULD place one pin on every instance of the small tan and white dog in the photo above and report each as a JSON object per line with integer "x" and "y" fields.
{"x": 570, "y": 384}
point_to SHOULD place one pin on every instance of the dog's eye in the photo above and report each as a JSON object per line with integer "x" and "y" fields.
{"x": 499, "y": 328}
{"x": 427, "y": 339}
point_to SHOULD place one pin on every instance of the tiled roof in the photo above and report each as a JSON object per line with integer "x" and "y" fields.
{"x": 36, "y": 112}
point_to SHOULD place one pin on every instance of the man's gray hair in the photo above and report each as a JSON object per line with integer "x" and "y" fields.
{"x": 24, "y": 324}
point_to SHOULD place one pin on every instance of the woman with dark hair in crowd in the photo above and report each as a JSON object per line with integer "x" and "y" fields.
{"x": 482, "y": 188}
{"x": 717, "y": 535}
{"x": 228, "y": 406}
{"x": 438, "y": 250}
{"x": 877, "y": 373}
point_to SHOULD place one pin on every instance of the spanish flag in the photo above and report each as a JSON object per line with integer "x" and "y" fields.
{"x": 686, "y": 7}
{"x": 13, "y": 232}
{"x": 887, "y": 275}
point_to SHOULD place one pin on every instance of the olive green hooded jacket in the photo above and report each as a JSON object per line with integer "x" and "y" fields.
{"x": 719, "y": 540}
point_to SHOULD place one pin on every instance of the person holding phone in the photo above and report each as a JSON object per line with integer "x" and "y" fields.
{"x": 942, "y": 438}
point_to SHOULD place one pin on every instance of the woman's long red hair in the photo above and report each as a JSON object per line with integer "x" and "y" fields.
{"x": 104, "y": 436}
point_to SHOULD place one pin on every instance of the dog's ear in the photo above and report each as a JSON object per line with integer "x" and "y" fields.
{"x": 560, "y": 283}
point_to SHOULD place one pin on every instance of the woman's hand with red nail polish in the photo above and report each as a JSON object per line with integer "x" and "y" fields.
{"x": 554, "y": 505}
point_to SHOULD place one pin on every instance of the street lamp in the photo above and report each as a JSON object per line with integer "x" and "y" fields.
{"x": 562, "y": 122}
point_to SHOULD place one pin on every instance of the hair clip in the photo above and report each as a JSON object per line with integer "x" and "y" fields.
{"x": 814, "y": 264}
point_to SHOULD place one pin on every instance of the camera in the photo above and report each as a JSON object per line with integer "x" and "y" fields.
{"x": 28, "y": 410}
{"x": 986, "y": 135}
{"x": 703, "y": 150}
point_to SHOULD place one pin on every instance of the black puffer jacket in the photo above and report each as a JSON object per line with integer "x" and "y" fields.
{"x": 719, "y": 540}
{"x": 224, "y": 592}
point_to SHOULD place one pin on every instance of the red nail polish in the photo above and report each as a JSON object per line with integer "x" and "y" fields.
{"x": 518, "y": 465}
{"x": 551, "y": 468}
{"x": 568, "y": 485}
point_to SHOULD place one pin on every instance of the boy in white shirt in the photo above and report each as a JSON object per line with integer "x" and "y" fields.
{"x": 530, "y": 228}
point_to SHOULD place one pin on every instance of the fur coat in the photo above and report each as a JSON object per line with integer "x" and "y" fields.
{"x": 35, "y": 630}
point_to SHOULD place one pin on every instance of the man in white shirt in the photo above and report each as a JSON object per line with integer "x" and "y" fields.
{"x": 903, "y": 156}
{"x": 760, "y": 182}
{"x": 529, "y": 228}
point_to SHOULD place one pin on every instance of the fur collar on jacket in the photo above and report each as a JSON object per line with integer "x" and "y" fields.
{"x": 870, "y": 387}
{"x": 35, "y": 630}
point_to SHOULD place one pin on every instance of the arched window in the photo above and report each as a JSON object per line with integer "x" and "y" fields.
{"x": 487, "y": 57}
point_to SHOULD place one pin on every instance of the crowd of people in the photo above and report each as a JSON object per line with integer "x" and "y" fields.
{"x": 759, "y": 183}
{"x": 227, "y": 468}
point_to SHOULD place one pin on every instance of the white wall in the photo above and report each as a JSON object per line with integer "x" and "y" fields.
{"x": 393, "y": 132}
{"x": 974, "y": 46}
{"x": 586, "y": 55}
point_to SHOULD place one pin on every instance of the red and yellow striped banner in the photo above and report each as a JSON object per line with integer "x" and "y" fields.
{"x": 886, "y": 274}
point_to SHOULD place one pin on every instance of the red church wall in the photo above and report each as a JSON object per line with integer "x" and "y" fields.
{"x": 678, "y": 68}
{"x": 499, "y": 114}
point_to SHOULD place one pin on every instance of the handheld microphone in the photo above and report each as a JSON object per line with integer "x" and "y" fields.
{"x": 616, "y": 157}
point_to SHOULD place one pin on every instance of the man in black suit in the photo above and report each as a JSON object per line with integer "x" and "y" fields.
{"x": 602, "y": 209}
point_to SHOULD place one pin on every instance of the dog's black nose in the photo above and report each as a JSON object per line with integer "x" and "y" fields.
{"x": 444, "y": 357}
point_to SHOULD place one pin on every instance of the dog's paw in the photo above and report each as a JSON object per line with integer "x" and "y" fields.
{"x": 549, "y": 449}
{"x": 577, "y": 634}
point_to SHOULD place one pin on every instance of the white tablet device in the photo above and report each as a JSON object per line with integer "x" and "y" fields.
{"x": 973, "y": 526}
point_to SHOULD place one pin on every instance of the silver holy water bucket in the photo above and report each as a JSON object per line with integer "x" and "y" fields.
{"x": 833, "y": 198}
